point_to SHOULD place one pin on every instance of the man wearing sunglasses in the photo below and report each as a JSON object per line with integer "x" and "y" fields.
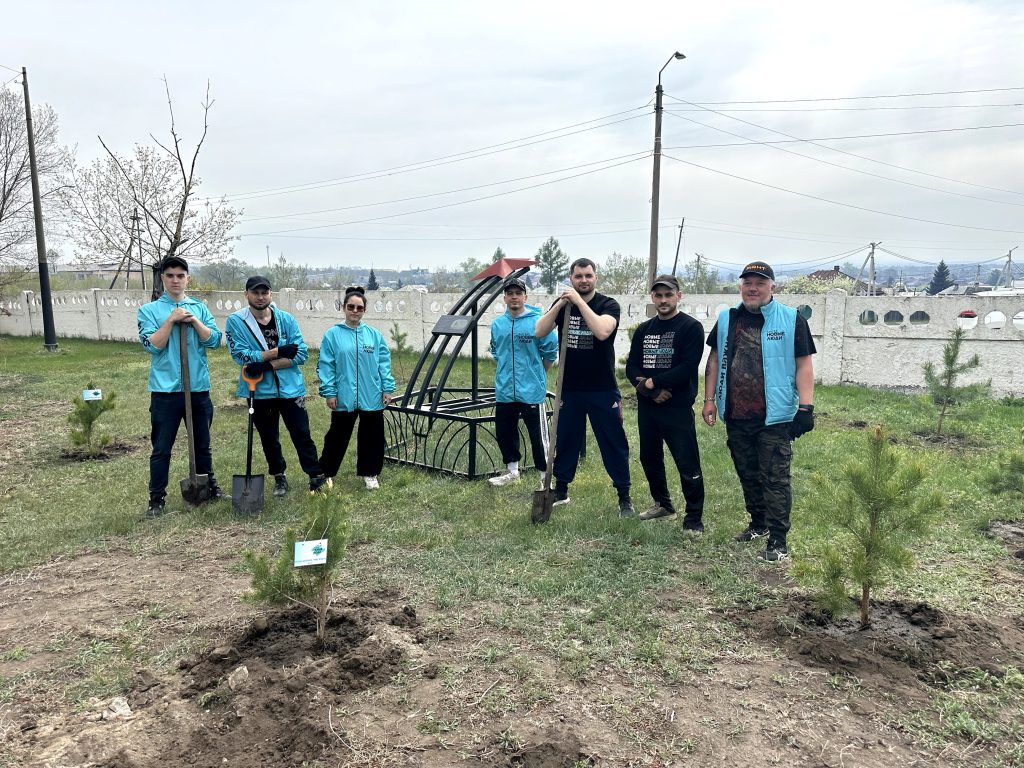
{"x": 266, "y": 341}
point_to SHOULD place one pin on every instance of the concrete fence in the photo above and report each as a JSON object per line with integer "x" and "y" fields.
{"x": 872, "y": 340}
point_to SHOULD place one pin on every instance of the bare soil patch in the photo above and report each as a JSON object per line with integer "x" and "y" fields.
{"x": 115, "y": 450}
{"x": 1011, "y": 534}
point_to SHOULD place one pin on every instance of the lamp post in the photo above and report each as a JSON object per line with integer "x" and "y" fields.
{"x": 652, "y": 263}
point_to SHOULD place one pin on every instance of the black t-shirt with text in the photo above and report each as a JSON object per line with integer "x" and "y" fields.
{"x": 270, "y": 331}
{"x": 745, "y": 382}
{"x": 669, "y": 353}
{"x": 589, "y": 361}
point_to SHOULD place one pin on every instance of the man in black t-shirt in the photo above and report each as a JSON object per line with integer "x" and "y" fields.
{"x": 589, "y": 389}
{"x": 663, "y": 359}
{"x": 760, "y": 379}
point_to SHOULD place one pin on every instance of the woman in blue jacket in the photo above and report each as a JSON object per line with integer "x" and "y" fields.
{"x": 355, "y": 378}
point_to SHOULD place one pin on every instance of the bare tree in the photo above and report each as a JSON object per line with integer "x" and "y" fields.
{"x": 161, "y": 182}
{"x": 17, "y": 228}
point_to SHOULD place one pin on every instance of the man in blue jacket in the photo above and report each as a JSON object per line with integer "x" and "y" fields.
{"x": 266, "y": 340}
{"x": 195, "y": 324}
{"x": 520, "y": 383}
{"x": 760, "y": 379}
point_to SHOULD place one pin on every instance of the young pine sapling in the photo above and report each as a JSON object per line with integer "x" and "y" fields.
{"x": 942, "y": 382}
{"x": 85, "y": 432}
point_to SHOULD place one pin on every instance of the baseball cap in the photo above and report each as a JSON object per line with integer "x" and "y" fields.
{"x": 515, "y": 282}
{"x": 667, "y": 280}
{"x": 257, "y": 281}
{"x": 172, "y": 261}
{"x": 758, "y": 268}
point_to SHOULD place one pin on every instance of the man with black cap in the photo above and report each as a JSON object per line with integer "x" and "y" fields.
{"x": 520, "y": 382}
{"x": 760, "y": 379}
{"x": 167, "y": 401}
{"x": 265, "y": 340}
{"x": 664, "y": 356}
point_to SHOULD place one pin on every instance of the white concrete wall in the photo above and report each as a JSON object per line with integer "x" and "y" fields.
{"x": 885, "y": 353}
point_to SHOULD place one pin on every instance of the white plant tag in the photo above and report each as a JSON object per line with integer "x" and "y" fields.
{"x": 310, "y": 552}
{"x": 92, "y": 394}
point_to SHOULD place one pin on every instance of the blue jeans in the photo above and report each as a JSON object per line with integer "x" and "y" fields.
{"x": 166, "y": 412}
{"x": 604, "y": 409}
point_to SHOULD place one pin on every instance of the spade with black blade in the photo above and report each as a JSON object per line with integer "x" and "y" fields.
{"x": 545, "y": 498}
{"x": 195, "y": 489}
{"x": 247, "y": 489}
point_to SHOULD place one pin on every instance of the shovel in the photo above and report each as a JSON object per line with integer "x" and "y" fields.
{"x": 545, "y": 498}
{"x": 247, "y": 489}
{"x": 196, "y": 488}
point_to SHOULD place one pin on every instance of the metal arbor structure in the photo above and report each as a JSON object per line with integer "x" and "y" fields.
{"x": 451, "y": 428}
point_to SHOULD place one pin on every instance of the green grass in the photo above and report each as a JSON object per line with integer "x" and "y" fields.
{"x": 588, "y": 591}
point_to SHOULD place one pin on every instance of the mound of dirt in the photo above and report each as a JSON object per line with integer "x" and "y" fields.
{"x": 265, "y": 696}
{"x": 1011, "y": 534}
{"x": 906, "y": 645}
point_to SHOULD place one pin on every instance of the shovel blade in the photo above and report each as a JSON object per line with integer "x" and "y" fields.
{"x": 541, "y": 510}
{"x": 196, "y": 493}
{"x": 247, "y": 494}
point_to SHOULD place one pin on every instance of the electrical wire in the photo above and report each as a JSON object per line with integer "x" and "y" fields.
{"x": 11, "y": 68}
{"x": 437, "y": 161}
{"x": 450, "y": 205}
{"x": 857, "y": 98}
{"x": 644, "y": 153}
{"x": 850, "y": 109}
{"x": 841, "y": 204}
{"x": 846, "y": 167}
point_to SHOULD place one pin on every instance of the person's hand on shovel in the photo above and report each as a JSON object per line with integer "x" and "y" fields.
{"x": 255, "y": 370}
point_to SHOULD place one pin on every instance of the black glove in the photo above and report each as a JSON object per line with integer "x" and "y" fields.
{"x": 643, "y": 391}
{"x": 661, "y": 395}
{"x": 252, "y": 370}
{"x": 288, "y": 351}
{"x": 803, "y": 422}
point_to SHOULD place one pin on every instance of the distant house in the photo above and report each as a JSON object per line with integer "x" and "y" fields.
{"x": 965, "y": 289}
{"x": 831, "y": 275}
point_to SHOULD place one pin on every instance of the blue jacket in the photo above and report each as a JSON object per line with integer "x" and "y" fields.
{"x": 521, "y": 376}
{"x": 246, "y": 344}
{"x": 355, "y": 367}
{"x": 778, "y": 358}
{"x": 165, "y": 367}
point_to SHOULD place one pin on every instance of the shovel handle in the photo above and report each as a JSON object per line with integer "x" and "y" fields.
{"x": 251, "y": 381}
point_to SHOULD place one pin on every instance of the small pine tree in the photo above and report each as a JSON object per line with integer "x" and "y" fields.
{"x": 83, "y": 418}
{"x": 553, "y": 263}
{"x": 942, "y": 382}
{"x": 941, "y": 279}
{"x": 279, "y": 582}
{"x": 877, "y": 511}
{"x": 371, "y": 283}
{"x": 498, "y": 254}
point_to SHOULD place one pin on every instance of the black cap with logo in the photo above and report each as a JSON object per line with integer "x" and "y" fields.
{"x": 670, "y": 281}
{"x": 257, "y": 281}
{"x": 758, "y": 268}
{"x": 514, "y": 284}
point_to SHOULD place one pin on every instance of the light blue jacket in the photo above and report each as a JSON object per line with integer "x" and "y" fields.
{"x": 355, "y": 367}
{"x": 521, "y": 376}
{"x": 165, "y": 367}
{"x": 247, "y": 344}
{"x": 779, "y": 360}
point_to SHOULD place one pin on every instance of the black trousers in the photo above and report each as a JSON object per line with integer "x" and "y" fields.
{"x": 506, "y": 431}
{"x": 267, "y": 416}
{"x": 672, "y": 426}
{"x": 369, "y": 442}
{"x": 166, "y": 412}
{"x": 762, "y": 456}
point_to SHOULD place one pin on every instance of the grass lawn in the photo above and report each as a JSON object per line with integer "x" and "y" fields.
{"x": 623, "y": 614}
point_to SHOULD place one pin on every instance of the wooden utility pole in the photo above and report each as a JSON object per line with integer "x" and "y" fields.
{"x": 679, "y": 242}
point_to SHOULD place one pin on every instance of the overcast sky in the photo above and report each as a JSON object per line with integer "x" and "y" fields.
{"x": 327, "y": 94}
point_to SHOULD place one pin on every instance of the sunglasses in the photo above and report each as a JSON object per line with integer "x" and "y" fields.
{"x": 355, "y": 308}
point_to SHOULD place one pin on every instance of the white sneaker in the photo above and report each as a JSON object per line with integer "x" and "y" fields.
{"x": 372, "y": 484}
{"x": 508, "y": 477}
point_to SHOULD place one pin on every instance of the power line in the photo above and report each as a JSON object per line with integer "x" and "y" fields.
{"x": 872, "y": 160}
{"x": 457, "y": 157}
{"x": 10, "y": 68}
{"x": 846, "y": 167}
{"x": 451, "y": 205}
{"x": 844, "y": 205}
{"x": 847, "y": 109}
{"x": 644, "y": 153}
{"x": 856, "y": 98}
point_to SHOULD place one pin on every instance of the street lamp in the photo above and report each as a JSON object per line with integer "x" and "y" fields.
{"x": 652, "y": 263}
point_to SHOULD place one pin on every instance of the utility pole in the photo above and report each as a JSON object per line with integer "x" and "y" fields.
{"x": 870, "y": 260}
{"x": 268, "y": 256}
{"x": 1009, "y": 267}
{"x": 652, "y": 260}
{"x": 49, "y": 333}
{"x": 679, "y": 242}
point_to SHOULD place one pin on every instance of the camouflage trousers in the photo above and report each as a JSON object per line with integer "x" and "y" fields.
{"x": 762, "y": 456}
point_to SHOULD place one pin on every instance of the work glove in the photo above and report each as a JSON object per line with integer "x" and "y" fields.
{"x": 803, "y": 422}
{"x": 642, "y": 390}
{"x": 252, "y": 370}
{"x": 288, "y": 351}
{"x": 661, "y": 395}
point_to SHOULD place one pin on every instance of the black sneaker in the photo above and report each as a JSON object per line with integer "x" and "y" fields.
{"x": 156, "y": 508}
{"x": 216, "y": 493}
{"x": 750, "y": 533}
{"x": 316, "y": 482}
{"x": 280, "y": 485}
{"x": 693, "y": 527}
{"x": 776, "y": 552}
{"x": 561, "y": 497}
{"x": 657, "y": 511}
{"x": 626, "y": 508}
